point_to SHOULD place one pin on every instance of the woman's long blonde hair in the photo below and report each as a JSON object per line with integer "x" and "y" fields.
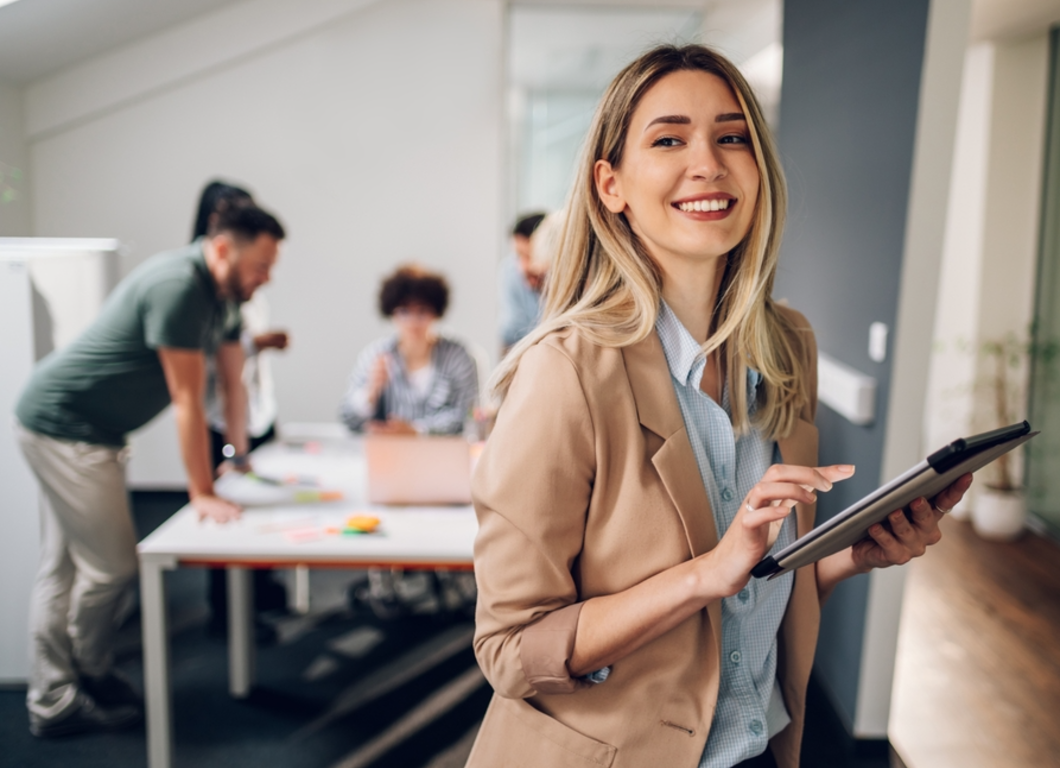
{"x": 603, "y": 283}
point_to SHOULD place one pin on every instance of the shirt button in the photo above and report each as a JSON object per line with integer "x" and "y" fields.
{"x": 727, "y": 494}
{"x": 756, "y": 727}
{"x": 735, "y": 657}
{"x": 744, "y": 595}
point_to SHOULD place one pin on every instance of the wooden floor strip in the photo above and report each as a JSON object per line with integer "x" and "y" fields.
{"x": 977, "y": 677}
{"x": 392, "y": 676}
{"x": 440, "y": 702}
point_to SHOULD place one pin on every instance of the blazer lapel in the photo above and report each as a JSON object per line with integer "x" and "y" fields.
{"x": 658, "y": 411}
{"x": 800, "y": 448}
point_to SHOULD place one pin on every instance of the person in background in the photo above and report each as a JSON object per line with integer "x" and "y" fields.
{"x": 415, "y": 381}
{"x": 544, "y": 244}
{"x": 147, "y": 349}
{"x": 256, "y": 337}
{"x": 520, "y": 283}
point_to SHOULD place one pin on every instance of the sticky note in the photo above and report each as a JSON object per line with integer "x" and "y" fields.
{"x": 362, "y": 523}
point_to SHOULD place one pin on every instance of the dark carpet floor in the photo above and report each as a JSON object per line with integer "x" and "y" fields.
{"x": 341, "y": 689}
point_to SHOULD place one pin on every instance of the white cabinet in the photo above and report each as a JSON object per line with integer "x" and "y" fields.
{"x": 50, "y": 290}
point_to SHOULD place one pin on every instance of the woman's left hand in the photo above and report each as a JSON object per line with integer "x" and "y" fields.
{"x": 897, "y": 541}
{"x": 905, "y": 536}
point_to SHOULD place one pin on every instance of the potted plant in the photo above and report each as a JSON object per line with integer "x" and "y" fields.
{"x": 1000, "y": 508}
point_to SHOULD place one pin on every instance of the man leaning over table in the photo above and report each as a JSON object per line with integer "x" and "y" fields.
{"x": 147, "y": 348}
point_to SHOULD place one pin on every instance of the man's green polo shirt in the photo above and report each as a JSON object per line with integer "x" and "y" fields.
{"x": 109, "y": 381}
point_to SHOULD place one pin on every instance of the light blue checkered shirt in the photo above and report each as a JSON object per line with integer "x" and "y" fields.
{"x": 750, "y": 706}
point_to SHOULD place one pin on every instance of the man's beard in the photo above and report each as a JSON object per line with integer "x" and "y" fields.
{"x": 236, "y": 291}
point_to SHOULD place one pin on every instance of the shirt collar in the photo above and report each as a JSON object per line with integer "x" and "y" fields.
{"x": 683, "y": 353}
{"x": 681, "y": 350}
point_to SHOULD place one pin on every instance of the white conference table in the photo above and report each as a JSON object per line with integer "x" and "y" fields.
{"x": 276, "y": 530}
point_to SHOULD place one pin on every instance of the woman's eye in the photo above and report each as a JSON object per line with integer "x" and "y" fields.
{"x": 734, "y": 138}
{"x": 666, "y": 141}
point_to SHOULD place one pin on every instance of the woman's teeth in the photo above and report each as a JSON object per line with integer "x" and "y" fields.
{"x": 705, "y": 205}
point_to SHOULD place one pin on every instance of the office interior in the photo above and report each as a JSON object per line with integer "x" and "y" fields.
{"x": 920, "y": 139}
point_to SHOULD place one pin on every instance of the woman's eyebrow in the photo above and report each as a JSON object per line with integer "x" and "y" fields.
{"x": 724, "y": 117}
{"x": 670, "y": 120}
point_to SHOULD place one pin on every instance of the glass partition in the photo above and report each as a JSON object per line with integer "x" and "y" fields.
{"x": 560, "y": 60}
{"x": 1043, "y": 454}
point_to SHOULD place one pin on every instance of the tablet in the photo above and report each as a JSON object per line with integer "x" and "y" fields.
{"x": 928, "y": 478}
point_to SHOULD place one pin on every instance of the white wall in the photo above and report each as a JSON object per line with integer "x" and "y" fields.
{"x": 373, "y": 130}
{"x": 991, "y": 248}
{"x": 15, "y": 217}
{"x": 950, "y": 398}
{"x": 1013, "y": 201}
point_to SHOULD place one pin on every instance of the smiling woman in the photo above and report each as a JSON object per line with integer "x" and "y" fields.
{"x": 655, "y": 435}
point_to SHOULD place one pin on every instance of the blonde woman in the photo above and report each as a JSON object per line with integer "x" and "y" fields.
{"x": 655, "y": 434}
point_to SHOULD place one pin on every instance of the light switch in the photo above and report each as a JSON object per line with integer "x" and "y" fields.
{"x": 877, "y": 342}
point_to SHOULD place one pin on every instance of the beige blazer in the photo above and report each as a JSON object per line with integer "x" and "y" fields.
{"x": 588, "y": 486}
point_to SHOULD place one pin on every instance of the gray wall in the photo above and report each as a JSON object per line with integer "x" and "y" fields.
{"x": 847, "y": 126}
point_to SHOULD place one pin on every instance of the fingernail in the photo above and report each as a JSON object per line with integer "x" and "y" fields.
{"x": 848, "y": 468}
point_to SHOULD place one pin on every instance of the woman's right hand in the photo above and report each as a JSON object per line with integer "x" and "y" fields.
{"x": 727, "y": 567}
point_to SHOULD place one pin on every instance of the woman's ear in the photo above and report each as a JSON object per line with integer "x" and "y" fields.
{"x": 608, "y": 187}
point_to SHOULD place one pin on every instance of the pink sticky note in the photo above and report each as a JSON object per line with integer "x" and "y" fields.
{"x": 301, "y": 535}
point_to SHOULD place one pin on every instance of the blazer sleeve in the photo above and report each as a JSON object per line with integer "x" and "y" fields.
{"x": 531, "y": 493}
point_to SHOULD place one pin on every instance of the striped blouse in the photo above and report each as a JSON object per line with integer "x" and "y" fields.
{"x": 437, "y": 403}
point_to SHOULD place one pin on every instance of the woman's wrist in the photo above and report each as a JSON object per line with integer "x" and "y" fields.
{"x": 706, "y": 580}
{"x": 836, "y": 568}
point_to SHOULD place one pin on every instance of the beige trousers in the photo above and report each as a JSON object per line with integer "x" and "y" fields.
{"x": 88, "y": 558}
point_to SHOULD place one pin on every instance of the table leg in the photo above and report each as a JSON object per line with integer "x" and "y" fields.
{"x": 240, "y": 631}
{"x": 156, "y": 665}
{"x": 301, "y": 589}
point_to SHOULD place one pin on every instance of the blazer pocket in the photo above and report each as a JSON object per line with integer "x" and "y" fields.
{"x": 515, "y": 733}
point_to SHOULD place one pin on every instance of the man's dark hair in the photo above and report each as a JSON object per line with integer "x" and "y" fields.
{"x": 526, "y": 224}
{"x": 245, "y": 222}
{"x": 215, "y": 196}
{"x": 413, "y": 285}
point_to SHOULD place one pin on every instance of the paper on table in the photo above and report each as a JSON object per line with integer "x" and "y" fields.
{"x": 251, "y": 492}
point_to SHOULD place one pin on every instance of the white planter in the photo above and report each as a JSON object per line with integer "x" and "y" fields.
{"x": 999, "y": 515}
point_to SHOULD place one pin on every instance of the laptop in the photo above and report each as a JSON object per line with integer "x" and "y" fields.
{"x": 420, "y": 470}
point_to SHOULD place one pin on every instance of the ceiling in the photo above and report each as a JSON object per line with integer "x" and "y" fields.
{"x": 40, "y": 37}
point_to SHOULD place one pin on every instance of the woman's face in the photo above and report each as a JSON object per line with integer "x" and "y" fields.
{"x": 414, "y": 321}
{"x": 688, "y": 180}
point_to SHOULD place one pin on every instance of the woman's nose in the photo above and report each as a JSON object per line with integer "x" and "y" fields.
{"x": 706, "y": 162}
